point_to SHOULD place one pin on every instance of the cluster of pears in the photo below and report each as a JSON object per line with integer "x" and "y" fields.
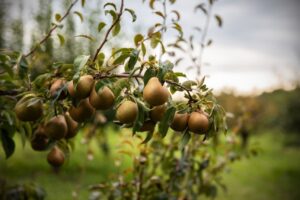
{"x": 64, "y": 125}
{"x": 156, "y": 95}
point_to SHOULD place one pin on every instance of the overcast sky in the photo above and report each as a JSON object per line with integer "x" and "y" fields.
{"x": 258, "y": 47}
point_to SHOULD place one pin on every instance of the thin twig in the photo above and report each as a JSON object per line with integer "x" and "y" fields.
{"x": 105, "y": 39}
{"x": 102, "y": 76}
{"x": 52, "y": 29}
{"x": 203, "y": 38}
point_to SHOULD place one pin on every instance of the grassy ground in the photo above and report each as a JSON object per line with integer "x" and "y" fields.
{"x": 273, "y": 174}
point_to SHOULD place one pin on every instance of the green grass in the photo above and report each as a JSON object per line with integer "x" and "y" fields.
{"x": 273, "y": 174}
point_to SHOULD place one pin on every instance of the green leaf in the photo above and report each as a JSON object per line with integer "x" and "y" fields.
{"x": 132, "y": 13}
{"x": 188, "y": 84}
{"x": 143, "y": 49}
{"x": 80, "y": 62}
{"x": 121, "y": 59}
{"x": 209, "y": 42}
{"x": 101, "y": 83}
{"x": 154, "y": 42}
{"x": 139, "y": 121}
{"x": 138, "y": 38}
{"x": 91, "y": 38}
{"x": 177, "y": 14}
{"x": 101, "y": 25}
{"x": 22, "y": 67}
{"x": 110, "y": 4}
{"x": 7, "y": 143}
{"x": 185, "y": 139}
{"x": 82, "y": 3}
{"x": 100, "y": 59}
{"x": 133, "y": 59}
{"x": 112, "y": 13}
{"x": 219, "y": 20}
{"x": 79, "y": 15}
{"x": 61, "y": 39}
{"x": 150, "y": 72}
{"x": 160, "y": 14}
{"x": 166, "y": 121}
{"x": 148, "y": 137}
{"x": 178, "y": 28}
{"x": 57, "y": 17}
{"x": 116, "y": 29}
{"x": 151, "y": 4}
{"x": 201, "y": 7}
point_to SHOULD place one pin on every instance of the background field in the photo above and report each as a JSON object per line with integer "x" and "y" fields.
{"x": 273, "y": 174}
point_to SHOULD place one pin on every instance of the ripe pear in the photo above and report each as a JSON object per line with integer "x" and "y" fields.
{"x": 154, "y": 93}
{"x": 39, "y": 142}
{"x": 180, "y": 121}
{"x": 56, "y": 128}
{"x": 198, "y": 123}
{"x": 56, "y": 86}
{"x": 27, "y": 112}
{"x": 56, "y": 157}
{"x": 103, "y": 99}
{"x": 83, "y": 111}
{"x": 127, "y": 112}
{"x": 148, "y": 125}
{"x": 72, "y": 126}
{"x": 157, "y": 112}
{"x": 83, "y": 89}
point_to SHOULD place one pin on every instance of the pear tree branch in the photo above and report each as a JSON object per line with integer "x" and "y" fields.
{"x": 105, "y": 39}
{"x": 53, "y": 28}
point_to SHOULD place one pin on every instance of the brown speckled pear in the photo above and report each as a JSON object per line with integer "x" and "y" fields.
{"x": 198, "y": 123}
{"x": 154, "y": 93}
{"x": 103, "y": 99}
{"x": 180, "y": 121}
{"x": 127, "y": 112}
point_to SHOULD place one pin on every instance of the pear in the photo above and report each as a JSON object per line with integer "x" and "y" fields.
{"x": 148, "y": 125}
{"x": 39, "y": 142}
{"x": 180, "y": 121}
{"x": 103, "y": 99}
{"x": 83, "y": 89}
{"x": 157, "y": 112}
{"x": 198, "y": 123}
{"x": 56, "y": 86}
{"x": 127, "y": 112}
{"x": 72, "y": 126}
{"x": 26, "y": 111}
{"x": 56, "y": 157}
{"x": 83, "y": 111}
{"x": 56, "y": 128}
{"x": 154, "y": 93}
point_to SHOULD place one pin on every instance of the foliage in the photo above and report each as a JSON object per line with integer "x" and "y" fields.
{"x": 164, "y": 162}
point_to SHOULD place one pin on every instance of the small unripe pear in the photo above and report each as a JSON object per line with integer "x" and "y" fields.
{"x": 39, "y": 142}
{"x": 198, "y": 123}
{"x": 56, "y": 128}
{"x": 27, "y": 112}
{"x": 127, "y": 112}
{"x": 56, "y": 86}
{"x": 56, "y": 157}
{"x": 83, "y": 89}
{"x": 72, "y": 126}
{"x": 154, "y": 93}
{"x": 157, "y": 112}
{"x": 103, "y": 99}
{"x": 180, "y": 121}
{"x": 83, "y": 111}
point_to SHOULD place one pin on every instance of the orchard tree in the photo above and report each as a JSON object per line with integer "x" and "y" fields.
{"x": 133, "y": 87}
